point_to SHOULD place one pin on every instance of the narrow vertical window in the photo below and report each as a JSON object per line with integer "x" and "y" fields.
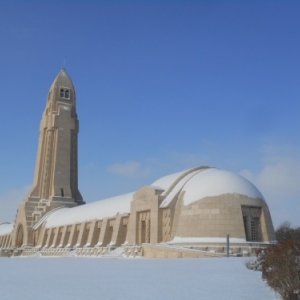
{"x": 67, "y": 94}
{"x": 62, "y": 192}
{"x": 143, "y": 232}
{"x": 62, "y": 93}
{"x": 246, "y": 228}
{"x": 253, "y": 230}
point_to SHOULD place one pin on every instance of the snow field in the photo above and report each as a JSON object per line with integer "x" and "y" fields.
{"x": 116, "y": 279}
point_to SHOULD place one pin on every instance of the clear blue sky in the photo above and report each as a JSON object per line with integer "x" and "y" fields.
{"x": 161, "y": 86}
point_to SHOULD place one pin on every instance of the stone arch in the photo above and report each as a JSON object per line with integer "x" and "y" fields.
{"x": 20, "y": 236}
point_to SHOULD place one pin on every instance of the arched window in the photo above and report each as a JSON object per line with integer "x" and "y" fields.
{"x": 67, "y": 94}
{"x": 62, "y": 93}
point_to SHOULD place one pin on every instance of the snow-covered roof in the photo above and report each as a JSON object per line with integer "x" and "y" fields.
{"x": 201, "y": 182}
{"x": 178, "y": 187}
{"x": 196, "y": 184}
{"x": 215, "y": 182}
{"x": 166, "y": 181}
{"x": 96, "y": 210}
{"x": 6, "y": 228}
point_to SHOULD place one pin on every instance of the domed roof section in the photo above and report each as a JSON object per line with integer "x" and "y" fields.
{"x": 166, "y": 181}
{"x": 176, "y": 180}
{"x": 214, "y": 182}
{"x": 62, "y": 80}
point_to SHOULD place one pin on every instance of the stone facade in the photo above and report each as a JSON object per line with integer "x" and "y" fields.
{"x": 187, "y": 214}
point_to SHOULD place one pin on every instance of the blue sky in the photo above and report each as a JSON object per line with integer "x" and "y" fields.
{"x": 161, "y": 86}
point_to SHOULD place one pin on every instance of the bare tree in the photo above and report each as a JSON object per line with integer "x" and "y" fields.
{"x": 285, "y": 232}
{"x": 281, "y": 269}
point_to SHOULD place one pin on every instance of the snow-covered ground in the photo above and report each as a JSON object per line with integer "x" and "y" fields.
{"x": 88, "y": 278}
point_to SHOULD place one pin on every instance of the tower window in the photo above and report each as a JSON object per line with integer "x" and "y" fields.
{"x": 64, "y": 94}
{"x": 62, "y": 192}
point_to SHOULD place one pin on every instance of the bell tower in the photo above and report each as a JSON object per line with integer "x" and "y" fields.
{"x": 56, "y": 172}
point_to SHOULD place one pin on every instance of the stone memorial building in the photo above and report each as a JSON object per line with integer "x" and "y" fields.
{"x": 186, "y": 214}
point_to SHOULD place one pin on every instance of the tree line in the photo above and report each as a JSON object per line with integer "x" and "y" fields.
{"x": 285, "y": 232}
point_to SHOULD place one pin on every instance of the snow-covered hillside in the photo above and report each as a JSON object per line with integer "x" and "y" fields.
{"x": 146, "y": 279}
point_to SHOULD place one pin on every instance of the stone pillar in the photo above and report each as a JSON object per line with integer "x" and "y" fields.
{"x": 44, "y": 237}
{"x": 41, "y": 237}
{"x": 93, "y": 229}
{"x": 267, "y": 225}
{"x": 63, "y": 234}
{"x": 116, "y": 230}
{"x": 103, "y": 232}
{"x": 5, "y": 241}
{"x": 48, "y": 237}
{"x": 73, "y": 229}
{"x": 56, "y": 234}
{"x": 80, "y": 235}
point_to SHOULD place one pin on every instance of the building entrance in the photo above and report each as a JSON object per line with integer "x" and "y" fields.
{"x": 144, "y": 227}
{"x": 251, "y": 217}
